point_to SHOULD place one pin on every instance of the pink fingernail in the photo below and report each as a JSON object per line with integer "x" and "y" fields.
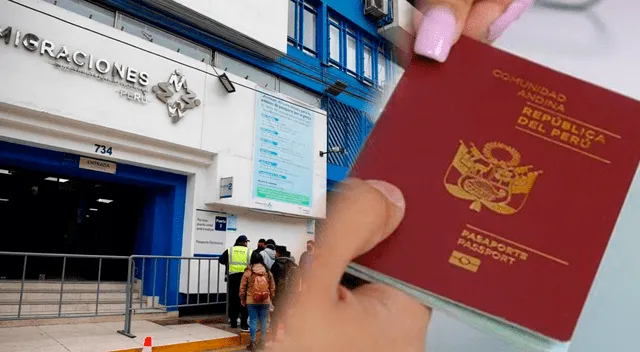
{"x": 436, "y": 33}
{"x": 513, "y": 12}
{"x": 393, "y": 193}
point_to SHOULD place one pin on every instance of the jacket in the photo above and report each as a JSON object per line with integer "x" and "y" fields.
{"x": 224, "y": 260}
{"x": 305, "y": 260}
{"x": 282, "y": 268}
{"x": 269, "y": 256}
{"x": 246, "y": 285}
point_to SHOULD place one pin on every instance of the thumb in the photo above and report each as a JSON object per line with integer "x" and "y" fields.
{"x": 361, "y": 214}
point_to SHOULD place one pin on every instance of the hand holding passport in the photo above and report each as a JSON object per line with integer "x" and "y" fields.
{"x": 328, "y": 317}
{"x": 514, "y": 178}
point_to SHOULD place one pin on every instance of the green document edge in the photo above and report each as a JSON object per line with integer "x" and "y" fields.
{"x": 514, "y": 334}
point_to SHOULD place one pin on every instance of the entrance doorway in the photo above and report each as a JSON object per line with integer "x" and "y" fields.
{"x": 49, "y": 204}
{"x": 43, "y": 212}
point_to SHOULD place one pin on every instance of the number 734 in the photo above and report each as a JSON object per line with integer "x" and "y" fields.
{"x": 103, "y": 149}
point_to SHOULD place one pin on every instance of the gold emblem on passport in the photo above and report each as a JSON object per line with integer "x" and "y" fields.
{"x": 464, "y": 261}
{"x": 492, "y": 178}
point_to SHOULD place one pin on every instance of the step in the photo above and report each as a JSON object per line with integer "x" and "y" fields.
{"x": 51, "y": 308}
{"x": 68, "y": 285}
{"x": 14, "y": 295}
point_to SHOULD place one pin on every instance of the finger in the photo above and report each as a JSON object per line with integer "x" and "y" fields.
{"x": 488, "y": 19}
{"x": 439, "y": 25}
{"x": 387, "y": 305}
{"x": 445, "y": 20}
{"x": 360, "y": 215}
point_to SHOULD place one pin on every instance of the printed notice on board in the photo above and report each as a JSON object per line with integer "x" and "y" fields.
{"x": 232, "y": 223}
{"x": 283, "y": 155}
{"x": 210, "y": 234}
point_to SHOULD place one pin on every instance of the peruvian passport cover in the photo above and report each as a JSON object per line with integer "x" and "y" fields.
{"x": 514, "y": 176}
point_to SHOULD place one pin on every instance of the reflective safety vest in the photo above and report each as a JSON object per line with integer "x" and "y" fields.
{"x": 239, "y": 257}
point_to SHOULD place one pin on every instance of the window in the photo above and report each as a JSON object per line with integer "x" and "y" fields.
{"x": 355, "y": 52}
{"x": 266, "y": 80}
{"x": 368, "y": 62}
{"x": 303, "y": 26}
{"x": 310, "y": 29}
{"x": 87, "y": 9}
{"x": 137, "y": 28}
{"x": 249, "y": 72}
{"x": 352, "y": 53}
{"x": 382, "y": 68}
{"x": 291, "y": 29}
{"x": 300, "y": 94}
{"x": 165, "y": 39}
{"x": 335, "y": 41}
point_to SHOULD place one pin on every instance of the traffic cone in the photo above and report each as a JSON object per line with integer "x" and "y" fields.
{"x": 147, "y": 344}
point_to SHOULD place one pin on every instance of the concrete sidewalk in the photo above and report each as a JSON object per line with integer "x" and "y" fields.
{"x": 94, "y": 337}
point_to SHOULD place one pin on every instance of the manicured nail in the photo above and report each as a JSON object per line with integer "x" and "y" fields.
{"x": 436, "y": 33}
{"x": 513, "y": 12}
{"x": 393, "y": 193}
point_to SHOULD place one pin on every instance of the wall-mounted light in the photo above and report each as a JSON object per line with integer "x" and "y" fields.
{"x": 334, "y": 150}
{"x": 336, "y": 88}
{"x": 226, "y": 83}
{"x": 55, "y": 179}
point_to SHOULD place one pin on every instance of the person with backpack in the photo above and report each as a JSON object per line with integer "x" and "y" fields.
{"x": 285, "y": 274}
{"x": 257, "y": 290}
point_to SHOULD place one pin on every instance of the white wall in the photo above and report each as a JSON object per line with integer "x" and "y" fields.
{"x": 223, "y": 124}
{"x": 401, "y": 29}
{"x": 263, "y": 21}
{"x": 44, "y": 106}
{"x": 284, "y": 230}
{"x": 290, "y": 232}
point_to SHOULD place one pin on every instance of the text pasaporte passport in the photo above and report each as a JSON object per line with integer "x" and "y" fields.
{"x": 514, "y": 176}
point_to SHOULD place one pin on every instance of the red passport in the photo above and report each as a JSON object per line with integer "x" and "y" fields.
{"x": 514, "y": 176}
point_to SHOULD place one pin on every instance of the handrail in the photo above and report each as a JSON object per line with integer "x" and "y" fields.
{"x": 60, "y": 312}
{"x": 61, "y": 255}
{"x": 148, "y": 269}
{"x": 148, "y": 276}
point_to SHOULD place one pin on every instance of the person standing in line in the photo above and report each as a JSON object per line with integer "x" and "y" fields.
{"x": 257, "y": 290}
{"x": 285, "y": 275}
{"x": 307, "y": 257}
{"x": 236, "y": 260}
{"x": 269, "y": 253}
{"x": 262, "y": 244}
{"x": 306, "y": 260}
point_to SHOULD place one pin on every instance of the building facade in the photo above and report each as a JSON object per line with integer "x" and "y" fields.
{"x": 171, "y": 127}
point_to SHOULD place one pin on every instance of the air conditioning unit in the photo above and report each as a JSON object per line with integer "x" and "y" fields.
{"x": 376, "y": 8}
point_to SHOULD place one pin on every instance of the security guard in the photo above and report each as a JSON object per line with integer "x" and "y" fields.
{"x": 236, "y": 260}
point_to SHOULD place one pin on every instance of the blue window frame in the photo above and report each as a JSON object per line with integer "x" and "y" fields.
{"x": 355, "y": 52}
{"x": 303, "y": 26}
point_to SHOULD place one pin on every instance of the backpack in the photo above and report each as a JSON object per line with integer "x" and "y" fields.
{"x": 260, "y": 287}
{"x": 290, "y": 277}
